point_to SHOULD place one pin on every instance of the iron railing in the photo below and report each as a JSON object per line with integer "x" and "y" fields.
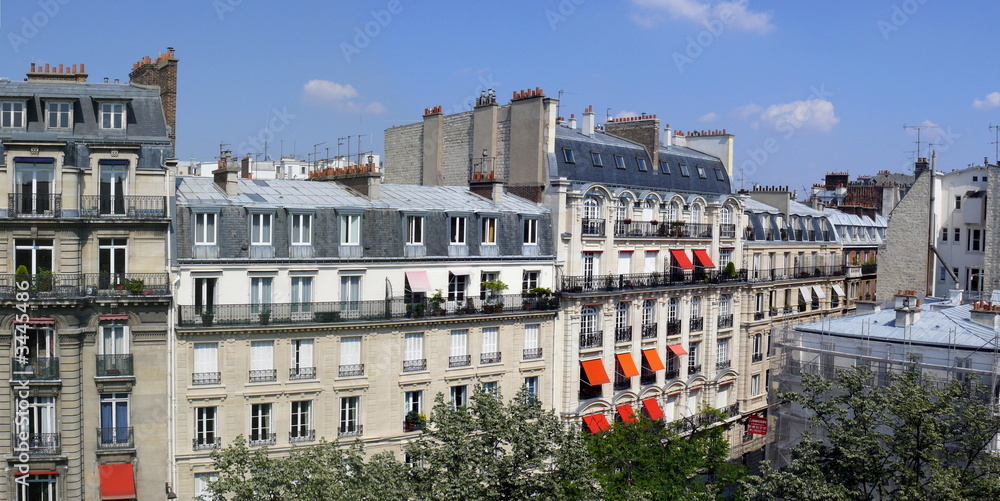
{"x": 725, "y": 321}
{"x": 295, "y": 436}
{"x": 648, "y": 229}
{"x": 115, "y": 365}
{"x": 694, "y": 369}
{"x": 795, "y": 273}
{"x": 757, "y": 357}
{"x": 490, "y": 358}
{"x": 649, "y": 331}
{"x": 696, "y": 324}
{"x": 357, "y": 311}
{"x": 727, "y": 230}
{"x": 623, "y": 334}
{"x": 201, "y": 378}
{"x": 263, "y": 375}
{"x": 296, "y": 373}
{"x": 460, "y": 361}
{"x": 354, "y": 430}
{"x": 115, "y": 438}
{"x": 588, "y": 392}
{"x": 758, "y": 315}
{"x": 647, "y": 378}
{"x": 35, "y": 369}
{"x": 352, "y": 370}
{"x": 33, "y": 205}
{"x": 869, "y": 269}
{"x": 415, "y": 365}
{"x": 671, "y": 374}
{"x": 200, "y": 444}
{"x": 532, "y": 353}
{"x": 593, "y": 227}
{"x": 38, "y": 443}
{"x": 655, "y": 280}
{"x": 591, "y": 339}
{"x": 266, "y": 438}
{"x": 673, "y": 327}
{"x": 723, "y": 365}
{"x": 85, "y": 285}
{"x": 123, "y": 207}
{"x": 622, "y": 382}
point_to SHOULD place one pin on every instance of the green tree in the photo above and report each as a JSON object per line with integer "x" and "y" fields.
{"x": 681, "y": 460}
{"x": 910, "y": 440}
{"x": 491, "y": 451}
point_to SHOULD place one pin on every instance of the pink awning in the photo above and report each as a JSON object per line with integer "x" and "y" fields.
{"x": 418, "y": 281}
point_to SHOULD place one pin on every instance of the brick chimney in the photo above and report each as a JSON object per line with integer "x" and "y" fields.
{"x": 227, "y": 176}
{"x": 59, "y": 73}
{"x": 161, "y": 72}
{"x": 907, "y": 307}
{"x": 644, "y": 129}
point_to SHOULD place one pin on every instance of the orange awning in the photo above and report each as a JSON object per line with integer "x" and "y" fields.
{"x": 703, "y": 258}
{"x": 677, "y": 349}
{"x": 594, "y": 369}
{"x": 117, "y": 481}
{"x": 627, "y": 364}
{"x": 682, "y": 259}
{"x": 653, "y": 360}
{"x": 652, "y": 409}
{"x": 627, "y": 414}
{"x": 596, "y": 423}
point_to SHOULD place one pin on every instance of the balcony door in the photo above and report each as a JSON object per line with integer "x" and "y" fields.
{"x": 41, "y": 343}
{"x": 114, "y": 418}
{"x": 41, "y": 420}
{"x": 112, "y": 189}
{"x": 34, "y": 254}
{"x": 35, "y": 186}
{"x": 111, "y": 261}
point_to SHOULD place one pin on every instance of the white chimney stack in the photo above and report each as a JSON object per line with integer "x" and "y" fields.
{"x": 572, "y": 121}
{"x": 668, "y": 136}
{"x": 588, "y": 121}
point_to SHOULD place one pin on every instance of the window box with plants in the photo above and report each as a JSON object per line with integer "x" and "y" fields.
{"x": 414, "y": 421}
{"x": 537, "y": 298}
{"x": 494, "y": 295}
{"x": 437, "y": 304}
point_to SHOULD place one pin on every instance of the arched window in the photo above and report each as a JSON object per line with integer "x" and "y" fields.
{"x": 725, "y": 216}
{"x": 696, "y": 213}
{"x": 671, "y": 213}
{"x": 588, "y": 319}
{"x": 592, "y": 207}
{"x": 621, "y": 211}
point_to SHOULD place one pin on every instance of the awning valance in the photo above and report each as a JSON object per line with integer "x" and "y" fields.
{"x": 594, "y": 370}
{"x": 418, "y": 281}
{"x": 701, "y": 255}
{"x": 627, "y": 364}
{"x": 677, "y": 349}
{"x": 653, "y": 360}
{"x": 682, "y": 259}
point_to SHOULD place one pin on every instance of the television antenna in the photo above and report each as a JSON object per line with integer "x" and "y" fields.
{"x": 996, "y": 143}
{"x": 919, "y": 128}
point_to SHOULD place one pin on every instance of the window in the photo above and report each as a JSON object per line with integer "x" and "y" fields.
{"x": 205, "y": 427}
{"x": 491, "y": 388}
{"x": 113, "y": 339}
{"x": 568, "y": 156}
{"x": 206, "y": 363}
{"x": 591, "y": 208}
{"x": 486, "y": 276}
{"x": 664, "y": 167}
{"x": 260, "y": 424}
{"x": 350, "y": 419}
{"x": 260, "y": 229}
{"x": 350, "y": 229}
{"x": 301, "y": 422}
{"x": 684, "y": 170}
{"x": 531, "y": 349}
{"x": 11, "y": 115}
{"x": 975, "y": 178}
{"x": 623, "y": 315}
{"x": 302, "y": 229}
{"x": 35, "y": 185}
{"x": 112, "y": 188}
{"x": 755, "y": 385}
{"x": 958, "y": 234}
{"x": 595, "y": 158}
{"x": 413, "y": 402}
{"x": 201, "y": 483}
{"x": 57, "y": 115}
{"x": 457, "y": 287}
{"x": 649, "y": 312}
{"x": 722, "y": 353}
{"x": 262, "y": 361}
{"x": 672, "y": 309}
{"x": 459, "y": 348}
{"x": 701, "y": 172}
{"x": 725, "y": 305}
{"x": 958, "y": 202}
{"x": 490, "y": 352}
{"x": 758, "y": 345}
{"x": 302, "y": 294}
{"x": 725, "y": 216}
{"x": 619, "y": 161}
{"x": 944, "y": 234}
{"x": 696, "y": 307}
{"x": 414, "y": 230}
{"x": 529, "y": 280}
{"x": 413, "y": 347}
{"x": 113, "y": 115}
{"x": 114, "y": 420}
{"x": 458, "y": 230}
{"x": 459, "y": 396}
{"x": 531, "y": 386}
{"x": 38, "y": 488}
{"x": 204, "y": 295}
{"x": 350, "y": 291}
{"x": 260, "y": 294}
{"x": 693, "y": 356}
{"x": 489, "y": 227}
{"x": 588, "y": 319}
{"x": 643, "y": 166}
{"x": 725, "y": 256}
{"x": 530, "y": 232}
{"x": 350, "y": 357}
{"x": 719, "y": 175}
{"x": 302, "y": 360}
{"x": 621, "y": 210}
{"x": 111, "y": 253}
{"x": 204, "y": 228}
{"x": 973, "y": 242}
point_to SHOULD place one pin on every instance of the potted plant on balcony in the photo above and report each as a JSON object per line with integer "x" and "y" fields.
{"x": 44, "y": 279}
{"x": 494, "y": 300}
{"x": 206, "y": 318}
{"x": 676, "y": 228}
{"x": 437, "y": 300}
{"x": 265, "y": 316}
{"x": 135, "y": 286}
{"x": 730, "y": 270}
{"x": 413, "y": 421}
{"x": 541, "y": 297}
{"x": 21, "y": 275}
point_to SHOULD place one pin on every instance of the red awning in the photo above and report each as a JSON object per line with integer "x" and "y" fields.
{"x": 653, "y": 409}
{"x": 682, "y": 259}
{"x": 592, "y": 251}
{"x": 627, "y": 364}
{"x": 418, "y": 281}
{"x": 653, "y": 360}
{"x": 117, "y": 481}
{"x": 677, "y": 349}
{"x": 626, "y": 251}
{"x": 45, "y": 321}
{"x": 596, "y": 423}
{"x": 594, "y": 369}
{"x": 627, "y": 414}
{"x": 703, "y": 258}
{"x": 119, "y": 316}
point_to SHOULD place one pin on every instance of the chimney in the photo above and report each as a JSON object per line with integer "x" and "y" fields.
{"x": 921, "y": 166}
{"x": 572, "y": 121}
{"x": 433, "y": 146}
{"x": 644, "y": 129}
{"x": 862, "y": 307}
{"x": 668, "y": 136}
{"x": 907, "y": 308}
{"x": 985, "y": 313}
{"x": 162, "y": 73}
{"x": 61, "y": 73}
{"x": 588, "y": 121}
{"x": 227, "y": 176}
{"x": 492, "y": 190}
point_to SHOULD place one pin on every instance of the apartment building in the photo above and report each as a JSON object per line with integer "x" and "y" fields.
{"x": 339, "y": 308}
{"x": 84, "y": 290}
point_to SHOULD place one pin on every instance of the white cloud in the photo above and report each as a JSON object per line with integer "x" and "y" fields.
{"x": 703, "y": 13}
{"x": 815, "y": 114}
{"x": 342, "y": 97}
{"x": 708, "y": 117}
{"x": 746, "y": 111}
{"x": 626, "y": 114}
{"x": 992, "y": 101}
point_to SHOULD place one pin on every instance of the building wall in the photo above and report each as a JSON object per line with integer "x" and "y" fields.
{"x": 991, "y": 257}
{"x": 903, "y": 262}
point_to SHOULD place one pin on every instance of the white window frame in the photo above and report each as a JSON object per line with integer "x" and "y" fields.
{"x": 722, "y": 351}
{"x": 350, "y": 229}
{"x": 261, "y": 355}
{"x": 52, "y": 110}
{"x": 350, "y": 350}
{"x": 489, "y": 228}
{"x": 114, "y": 339}
{"x": 261, "y": 228}
{"x": 263, "y": 414}
{"x": 203, "y": 417}
{"x": 413, "y": 346}
{"x": 529, "y": 280}
{"x": 530, "y": 232}
{"x": 205, "y": 357}
{"x": 588, "y": 319}
{"x": 114, "y": 115}
{"x": 755, "y": 385}
{"x": 458, "y": 228}
{"x": 414, "y": 230}
{"x": 301, "y": 228}
{"x": 350, "y": 414}
{"x": 531, "y": 384}
{"x": 302, "y": 354}
{"x": 459, "y": 342}
{"x": 50, "y": 484}
{"x": 491, "y": 340}
{"x": 204, "y": 221}
{"x": 12, "y": 114}
{"x": 300, "y": 419}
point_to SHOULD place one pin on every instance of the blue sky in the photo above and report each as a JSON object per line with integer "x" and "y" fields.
{"x": 806, "y": 87}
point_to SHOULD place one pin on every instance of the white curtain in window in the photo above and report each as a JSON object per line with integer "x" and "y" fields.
{"x": 722, "y": 397}
{"x": 261, "y": 355}
{"x": 206, "y": 357}
{"x": 531, "y": 336}
{"x": 350, "y": 350}
{"x": 415, "y": 346}
{"x": 490, "y": 339}
{"x": 303, "y": 355}
{"x": 458, "y": 343}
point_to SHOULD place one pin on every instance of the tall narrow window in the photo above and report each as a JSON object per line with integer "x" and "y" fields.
{"x": 205, "y": 427}
{"x": 459, "y": 396}
{"x": 531, "y": 385}
{"x": 531, "y": 348}
{"x": 260, "y": 229}
{"x": 457, "y": 224}
{"x": 350, "y": 418}
{"x": 350, "y": 229}
{"x": 530, "y": 231}
{"x": 489, "y": 227}
{"x": 301, "y": 422}
{"x": 35, "y": 181}
{"x": 260, "y": 294}
{"x": 302, "y": 366}
{"x": 490, "y": 353}
{"x": 350, "y": 357}
{"x": 301, "y": 229}
{"x": 204, "y": 295}
{"x": 722, "y": 353}
{"x": 113, "y": 339}
{"x": 414, "y": 230}
{"x": 206, "y": 364}
{"x": 115, "y": 431}
{"x": 204, "y": 228}
{"x": 413, "y": 352}
{"x": 459, "y": 349}
{"x": 260, "y": 424}
{"x": 114, "y": 175}
{"x": 457, "y": 287}
{"x": 302, "y": 295}
{"x": 111, "y": 262}
{"x": 529, "y": 280}
{"x": 350, "y": 293}
{"x": 262, "y": 361}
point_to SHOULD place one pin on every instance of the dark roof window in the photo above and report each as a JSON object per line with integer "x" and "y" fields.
{"x": 664, "y": 167}
{"x": 643, "y": 166}
{"x": 684, "y": 170}
{"x": 595, "y": 157}
{"x": 619, "y": 161}
{"x": 719, "y": 175}
{"x": 701, "y": 172}
{"x": 568, "y": 156}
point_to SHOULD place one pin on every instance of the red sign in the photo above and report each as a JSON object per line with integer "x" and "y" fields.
{"x": 757, "y": 425}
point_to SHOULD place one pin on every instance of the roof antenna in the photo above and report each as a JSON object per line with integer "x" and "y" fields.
{"x": 919, "y": 128}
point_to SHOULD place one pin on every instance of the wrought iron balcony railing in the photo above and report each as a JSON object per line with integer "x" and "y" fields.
{"x": 795, "y": 273}
{"x": 727, "y": 230}
{"x": 296, "y": 436}
{"x": 115, "y": 438}
{"x": 649, "y": 331}
{"x": 673, "y": 327}
{"x": 47, "y": 444}
{"x": 757, "y": 357}
{"x": 123, "y": 207}
{"x": 353, "y": 430}
{"x": 723, "y": 365}
{"x": 115, "y": 365}
{"x": 725, "y": 321}
{"x": 35, "y": 369}
{"x": 649, "y": 229}
{"x": 206, "y": 442}
{"x": 85, "y": 285}
{"x": 694, "y": 369}
{"x": 203, "y": 378}
{"x": 637, "y": 281}
{"x": 532, "y": 353}
{"x": 593, "y": 227}
{"x": 352, "y": 370}
{"x": 263, "y": 375}
{"x": 34, "y": 205}
{"x": 623, "y": 334}
{"x": 490, "y": 358}
{"x": 460, "y": 361}
{"x": 263, "y": 438}
{"x": 297, "y": 373}
{"x": 591, "y": 339}
{"x": 647, "y": 378}
{"x": 671, "y": 374}
{"x": 415, "y": 365}
{"x": 696, "y": 324}
{"x": 622, "y": 383}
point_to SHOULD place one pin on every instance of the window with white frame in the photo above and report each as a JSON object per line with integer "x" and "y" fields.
{"x": 58, "y": 114}
{"x": 696, "y": 307}
{"x": 621, "y": 209}
{"x": 725, "y": 216}
{"x": 458, "y": 285}
{"x": 758, "y": 344}
{"x": 205, "y": 434}
{"x": 350, "y": 417}
{"x": 202, "y": 482}
{"x": 11, "y": 114}
{"x": 114, "y": 339}
{"x": 262, "y": 361}
{"x": 350, "y": 229}
{"x": 302, "y": 366}
{"x": 302, "y": 294}
{"x": 672, "y": 308}
{"x": 693, "y": 354}
{"x": 301, "y": 421}
{"x": 491, "y": 351}
{"x": 530, "y": 232}
{"x": 301, "y": 229}
{"x": 413, "y": 402}
{"x": 489, "y": 227}
{"x": 725, "y": 256}
{"x": 350, "y": 290}
{"x": 722, "y": 352}
{"x": 755, "y": 385}
{"x": 413, "y": 346}
{"x": 113, "y": 115}
{"x": 205, "y": 228}
{"x": 591, "y": 208}
{"x": 458, "y": 233}
{"x": 459, "y": 346}
{"x": 260, "y": 229}
{"x": 350, "y": 356}
{"x": 649, "y": 312}
{"x": 115, "y": 419}
{"x": 588, "y": 319}
{"x": 623, "y": 315}
{"x": 414, "y": 230}
{"x": 531, "y": 385}
{"x": 260, "y": 294}
{"x": 206, "y": 363}
{"x": 491, "y": 388}
{"x": 529, "y": 280}
{"x": 37, "y": 487}
{"x": 260, "y": 424}
{"x": 459, "y": 396}
{"x": 531, "y": 338}
{"x": 725, "y": 305}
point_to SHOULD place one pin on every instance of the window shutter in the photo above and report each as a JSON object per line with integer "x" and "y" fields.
{"x": 206, "y": 357}
{"x": 261, "y": 355}
{"x": 415, "y": 346}
{"x": 350, "y": 350}
{"x": 530, "y": 336}
{"x": 458, "y": 346}
{"x": 490, "y": 339}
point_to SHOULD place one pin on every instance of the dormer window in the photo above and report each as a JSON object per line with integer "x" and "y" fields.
{"x": 113, "y": 115}
{"x": 595, "y": 157}
{"x": 664, "y": 167}
{"x": 684, "y": 170}
{"x": 568, "y": 156}
{"x": 701, "y": 172}
{"x": 643, "y": 166}
{"x": 58, "y": 115}
{"x": 11, "y": 115}
{"x": 619, "y": 161}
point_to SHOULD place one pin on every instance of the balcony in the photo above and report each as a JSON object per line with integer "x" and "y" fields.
{"x": 671, "y": 374}
{"x": 757, "y": 357}
{"x": 593, "y": 228}
{"x": 266, "y": 438}
{"x": 648, "y": 229}
{"x": 357, "y": 311}
{"x": 123, "y": 207}
{"x": 460, "y": 361}
{"x": 694, "y": 369}
{"x": 115, "y": 438}
{"x": 723, "y": 365}
{"x": 796, "y": 273}
{"x": 869, "y": 269}
{"x": 674, "y": 327}
{"x": 352, "y": 370}
{"x": 34, "y": 205}
{"x": 649, "y": 331}
{"x": 727, "y": 230}
{"x": 490, "y": 358}
{"x": 40, "y": 444}
{"x": 204, "y": 443}
{"x": 205, "y": 378}
{"x": 354, "y": 430}
{"x": 298, "y": 373}
{"x": 696, "y": 324}
{"x": 89, "y": 285}
{"x": 575, "y": 284}
{"x": 298, "y": 436}
{"x": 591, "y": 339}
{"x": 622, "y": 383}
{"x": 623, "y": 334}
{"x": 588, "y": 392}
{"x": 647, "y": 378}
{"x": 114, "y": 365}
{"x": 35, "y": 369}
{"x": 263, "y": 375}
{"x": 758, "y": 315}
{"x": 725, "y": 321}
{"x": 532, "y": 353}
{"x": 415, "y": 365}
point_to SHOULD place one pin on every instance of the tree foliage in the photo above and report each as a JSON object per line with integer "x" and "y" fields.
{"x": 910, "y": 440}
